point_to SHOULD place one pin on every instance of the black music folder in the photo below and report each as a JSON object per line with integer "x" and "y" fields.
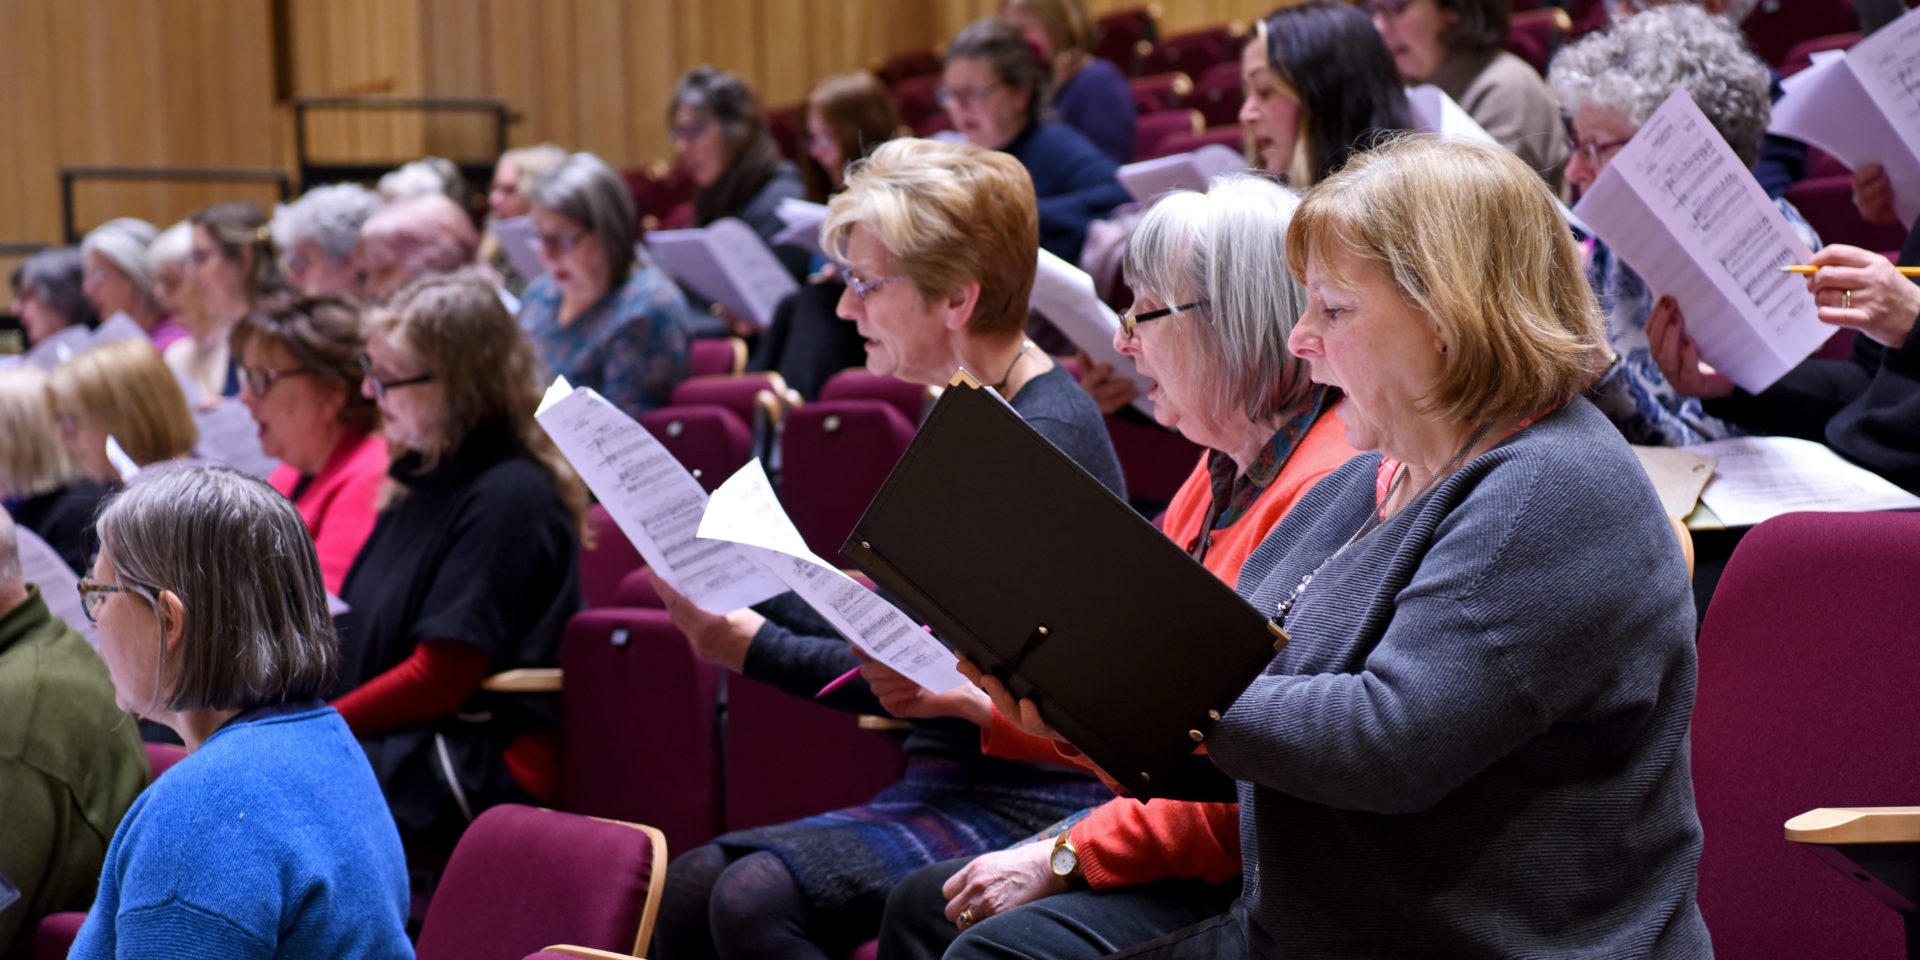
{"x": 1023, "y": 562}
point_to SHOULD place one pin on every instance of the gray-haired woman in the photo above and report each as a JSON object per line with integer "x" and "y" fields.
{"x": 315, "y": 236}
{"x": 272, "y": 838}
{"x": 603, "y": 316}
{"x": 118, "y": 279}
{"x": 47, "y": 295}
{"x": 1611, "y": 84}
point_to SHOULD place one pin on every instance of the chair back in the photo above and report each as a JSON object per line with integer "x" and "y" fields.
{"x": 523, "y": 878}
{"x": 1153, "y": 132}
{"x": 1774, "y": 28}
{"x": 1800, "y": 56}
{"x": 909, "y": 63}
{"x": 910, "y": 398}
{"x": 917, "y": 98}
{"x": 1805, "y": 699}
{"x": 1162, "y": 91}
{"x": 789, "y": 758}
{"x": 717, "y": 357}
{"x": 835, "y": 454}
{"x": 1194, "y": 51}
{"x": 1217, "y": 95}
{"x": 611, "y": 557}
{"x": 708, "y": 440}
{"x": 1119, "y": 33}
{"x": 162, "y": 756}
{"x": 1154, "y": 460}
{"x": 1534, "y": 35}
{"x": 1827, "y": 203}
{"x": 737, "y": 394}
{"x": 640, "y": 721}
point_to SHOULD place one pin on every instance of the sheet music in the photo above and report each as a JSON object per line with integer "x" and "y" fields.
{"x": 40, "y": 564}
{"x": 652, "y": 498}
{"x": 117, "y": 327}
{"x": 229, "y": 435}
{"x": 1758, "y": 478}
{"x": 1685, "y": 214}
{"x": 745, "y": 511}
{"x": 1148, "y": 179}
{"x": 61, "y": 347}
{"x": 728, "y": 263}
{"x": 521, "y": 244}
{"x": 803, "y": 220}
{"x": 1864, "y": 108}
{"x": 1063, "y": 293}
{"x": 1437, "y": 113}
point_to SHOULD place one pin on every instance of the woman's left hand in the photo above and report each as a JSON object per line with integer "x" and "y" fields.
{"x": 721, "y": 639}
{"x": 1861, "y": 289}
{"x": 997, "y": 882}
{"x": 1024, "y": 713}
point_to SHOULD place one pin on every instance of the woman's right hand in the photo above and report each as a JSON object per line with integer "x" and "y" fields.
{"x": 721, "y": 639}
{"x": 1109, "y": 392}
{"x": 910, "y": 701}
{"x": 1873, "y": 195}
{"x": 1678, "y": 357}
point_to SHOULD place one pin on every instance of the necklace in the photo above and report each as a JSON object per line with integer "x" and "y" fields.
{"x": 1025, "y": 345}
{"x": 1374, "y": 520}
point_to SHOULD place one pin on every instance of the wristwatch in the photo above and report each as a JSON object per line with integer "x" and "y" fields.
{"x": 1065, "y": 860}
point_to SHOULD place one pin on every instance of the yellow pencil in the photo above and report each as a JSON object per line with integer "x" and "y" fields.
{"x": 1804, "y": 269}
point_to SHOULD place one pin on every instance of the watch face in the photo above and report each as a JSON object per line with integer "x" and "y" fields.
{"x": 1064, "y": 861}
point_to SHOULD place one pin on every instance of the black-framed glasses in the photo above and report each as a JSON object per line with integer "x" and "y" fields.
{"x": 1130, "y": 320}
{"x": 258, "y": 380}
{"x": 380, "y": 387}
{"x": 93, "y": 595}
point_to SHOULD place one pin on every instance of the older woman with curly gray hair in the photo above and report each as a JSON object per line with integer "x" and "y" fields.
{"x": 316, "y": 235}
{"x": 1611, "y": 83}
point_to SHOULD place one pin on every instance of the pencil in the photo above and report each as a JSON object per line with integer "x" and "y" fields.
{"x": 1804, "y": 269}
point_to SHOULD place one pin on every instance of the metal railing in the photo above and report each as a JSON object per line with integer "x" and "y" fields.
{"x": 70, "y": 175}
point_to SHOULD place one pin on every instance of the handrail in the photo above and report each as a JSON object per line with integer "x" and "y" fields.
{"x": 312, "y": 172}
{"x": 68, "y": 175}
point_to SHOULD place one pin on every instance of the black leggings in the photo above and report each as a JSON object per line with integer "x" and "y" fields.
{"x": 739, "y": 909}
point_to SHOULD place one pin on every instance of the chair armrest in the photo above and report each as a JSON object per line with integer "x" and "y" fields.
{"x": 869, "y": 721}
{"x": 586, "y": 953}
{"x": 540, "y": 680}
{"x": 1686, "y": 542}
{"x": 1844, "y": 825}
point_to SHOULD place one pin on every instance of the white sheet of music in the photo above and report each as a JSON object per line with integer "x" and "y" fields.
{"x": 728, "y": 263}
{"x": 1435, "y": 112}
{"x": 41, "y": 565}
{"x": 521, "y": 243}
{"x": 1063, "y": 293}
{"x": 1757, "y": 478}
{"x": 1864, "y": 108}
{"x": 1686, "y": 215}
{"x": 803, "y": 219}
{"x": 59, "y": 348}
{"x": 229, "y": 435}
{"x": 1147, "y": 179}
{"x": 745, "y": 511}
{"x": 652, "y": 498}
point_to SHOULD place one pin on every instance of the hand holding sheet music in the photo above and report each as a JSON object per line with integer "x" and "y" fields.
{"x": 1687, "y": 215}
{"x": 1864, "y": 108}
{"x": 652, "y": 498}
{"x": 744, "y": 511}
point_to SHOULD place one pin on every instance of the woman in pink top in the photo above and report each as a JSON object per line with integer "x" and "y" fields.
{"x": 299, "y": 367}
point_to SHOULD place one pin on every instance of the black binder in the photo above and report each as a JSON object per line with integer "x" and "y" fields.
{"x": 1037, "y": 573}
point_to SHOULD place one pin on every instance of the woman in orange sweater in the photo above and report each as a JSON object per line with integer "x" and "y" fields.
{"x": 1213, "y": 306}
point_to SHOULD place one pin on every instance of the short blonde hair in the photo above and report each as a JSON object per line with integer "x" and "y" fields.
{"x": 952, "y": 214}
{"x": 33, "y": 461}
{"x": 127, "y": 390}
{"x": 1471, "y": 236}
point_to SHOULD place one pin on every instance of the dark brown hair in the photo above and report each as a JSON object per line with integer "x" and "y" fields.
{"x": 324, "y": 337}
{"x": 237, "y": 228}
{"x": 861, "y": 114}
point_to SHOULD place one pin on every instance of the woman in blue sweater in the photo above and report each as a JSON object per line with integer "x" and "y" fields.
{"x": 271, "y": 839}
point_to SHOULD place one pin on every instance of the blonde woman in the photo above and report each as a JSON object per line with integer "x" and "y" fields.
{"x": 40, "y": 482}
{"x": 123, "y": 390}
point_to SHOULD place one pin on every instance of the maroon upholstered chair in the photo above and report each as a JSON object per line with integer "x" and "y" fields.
{"x": 910, "y": 63}
{"x": 740, "y": 394}
{"x": 917, "y": 98}
{"x": 1194, "y": 51}
{"x": 1154, "y": 459}
{"x": 834, "y": 456}
{"x": 611, "y": 557}
{"x": 787, "y": 125}
{"x": 910, "y": 398}
{"x": 938, "y": 123}
{"x": 789, "y": 758}
{"x": 658, "y": 191}
{"x": 1800, "y": 56}
{"x": 1152, "y": 132}
{"x": 636, "y": 592}
{"x": 1217, "y": 95}
{"x": 709, "y": 441}
{"x": 717, "y": 357}
{"x": 162, "y": 756}
{"x": 524, "y": 877}
{"x": 1231, "y": 137}
{"x": 54, "y": 937}
{"x": 640, "y": 719}
{"x": 1533, "y": 35}
{"x": 1119, "y": 33}
{"x": 1827, "y": 203}
{"x": 1806, "y": 699}
{"x": 1774, "y": 28}
{"x": 1162, "y": 91}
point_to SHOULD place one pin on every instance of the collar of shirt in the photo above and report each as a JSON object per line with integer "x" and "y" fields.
{"x": 1234, "y": 492}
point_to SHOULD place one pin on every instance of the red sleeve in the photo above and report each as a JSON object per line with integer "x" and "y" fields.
{"x": 1002, "y": 738}
{"x": 1125, "y": 842}
{"x": 431, "y": 683}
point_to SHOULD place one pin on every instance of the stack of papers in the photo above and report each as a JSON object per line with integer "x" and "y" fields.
{"x": 1758, "y": 478}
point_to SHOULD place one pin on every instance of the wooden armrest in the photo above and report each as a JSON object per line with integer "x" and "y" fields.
{"x": 1856, "y": 825}
{"x": 540, "y": 680}
{"x": 1686, "y": 542}
{"x": 870, "y": 722}
{"x": 588, "y": 953}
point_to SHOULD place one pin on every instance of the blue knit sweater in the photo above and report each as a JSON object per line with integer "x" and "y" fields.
{"x": 271, "y": 840}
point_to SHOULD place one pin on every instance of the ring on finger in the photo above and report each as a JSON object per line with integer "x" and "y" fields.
{"x": 966, "y": 918}
{"x": 1846, "y": 299}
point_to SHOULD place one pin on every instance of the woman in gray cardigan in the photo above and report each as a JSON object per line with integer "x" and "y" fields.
{"x": 1476, "y": 742}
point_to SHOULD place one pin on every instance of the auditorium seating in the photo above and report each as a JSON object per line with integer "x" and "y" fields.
{"x": 1800, "y": 56}
{"x": 708, "y": 440}
{"x": 1154, "y": 459}
{"x": 788, "y": 127}
{"x": 1534, "y": 35}
{"x": 523, "y": 878}
{"x": 788, "y": 758}
{"x": 740, "y": 395}
{"x": 1153, "y": 131}
{"x": 716, "y": 356}
{"x": 917, "y": 98}
{"x": 1775, "y": 26}
{"x": 1164, "y": 91}
{"x": 1118, "y": 35}
{"x": 1805, "y": 700}
{"x": 611, "y": 557}
{"x": 1217, "y": 95}
{"x": 908, "y": 63}
{"x": 1193, "y": 51}
{"x": 662, "y": 195}
{"x": 834, "y": 457}
{"x": 1827, "y": 203}
{"x": 162, "y": 756}
{"x": 910, "y": 398}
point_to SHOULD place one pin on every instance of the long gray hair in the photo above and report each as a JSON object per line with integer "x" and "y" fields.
{"x": 1228, "y": 247}
{"x": 237, "y": 555}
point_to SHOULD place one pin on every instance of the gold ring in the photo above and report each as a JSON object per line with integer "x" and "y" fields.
{"x": 966, "y": 917}
{"x": 1846, "y": 299}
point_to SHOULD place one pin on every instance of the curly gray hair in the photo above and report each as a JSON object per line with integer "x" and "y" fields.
{"x": 330, "y": 216}
{"x": 1636, "y": 64}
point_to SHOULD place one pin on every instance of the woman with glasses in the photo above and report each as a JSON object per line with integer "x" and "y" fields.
{"x": 121, "y": 390}
{"x": 472, "y": 567}
{"x": 720, "y": 138}
{"x": 1611, "y": 85}
{"x": 271, "y": 838}
{"x": 1210, "y": 321}
{"x": 996, "y": 92}
{"x": 603, "y": 316}
{"x": 939, "y": 244}
{"x": 300, "y": 378}
{"x": 1459, "y": 46}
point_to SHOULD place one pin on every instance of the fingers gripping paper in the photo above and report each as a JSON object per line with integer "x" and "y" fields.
{"x": 744, "y": 511}
{"x": 652, "y": 498}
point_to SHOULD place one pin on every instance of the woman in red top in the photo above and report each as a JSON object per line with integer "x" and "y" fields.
{"x": 1213, "y": 306}
{"x": 299, "y": 372}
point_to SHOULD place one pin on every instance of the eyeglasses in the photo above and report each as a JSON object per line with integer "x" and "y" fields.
{"x": 92, "y": 595}
{"x": 380, "y": 387}
{"x": 199, "y": 256}
{"x": 861, "y": 287}
{"x": 1130, "y": 320}
{"x": 258, "y": 380}
{"x": 690, "y": 131}
{"x": 963, "y": 96}
{"x": 560, "y": 244}
{"x": 1387, "y": 9}
{"x": 1593, "y": 150}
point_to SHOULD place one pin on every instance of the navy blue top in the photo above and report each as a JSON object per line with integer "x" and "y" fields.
{"x": 1073, "y": 181}
{"x": 1097, "y": 102}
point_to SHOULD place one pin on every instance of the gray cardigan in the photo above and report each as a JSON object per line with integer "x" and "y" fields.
{"x": 1476, "y": 744}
